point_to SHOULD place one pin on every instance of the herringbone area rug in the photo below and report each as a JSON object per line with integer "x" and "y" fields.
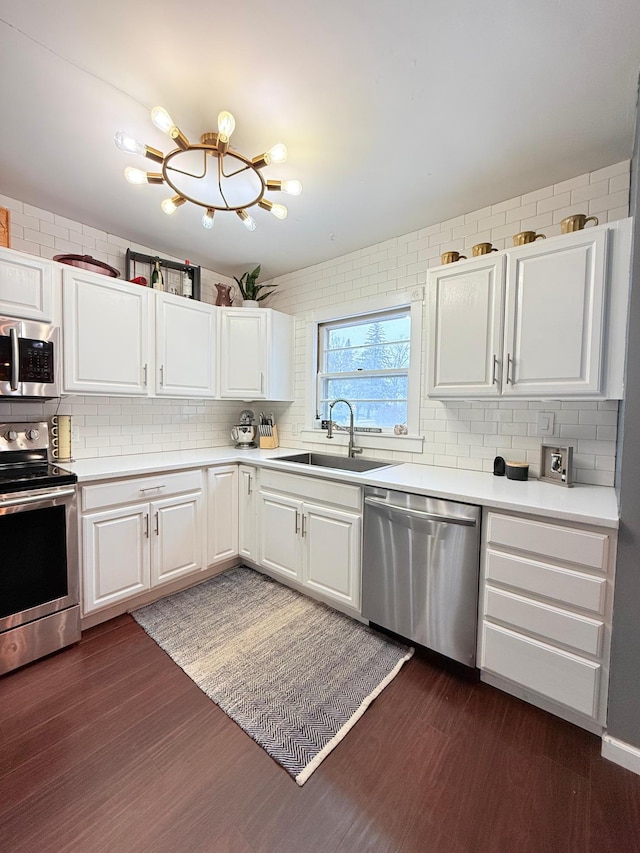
{"x": 294, "y": 674}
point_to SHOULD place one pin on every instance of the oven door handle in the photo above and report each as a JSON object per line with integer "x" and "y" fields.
{"x": 15, "y": 359}
{"x": 34, "y": 499}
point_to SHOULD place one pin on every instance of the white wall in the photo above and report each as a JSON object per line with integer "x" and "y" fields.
{"x": 463, "y": 435}
{"x": 467, "y": 434}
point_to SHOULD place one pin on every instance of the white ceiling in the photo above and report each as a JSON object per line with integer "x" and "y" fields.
{"x": 396, "y": 116}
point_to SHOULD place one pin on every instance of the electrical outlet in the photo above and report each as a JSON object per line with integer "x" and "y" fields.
{"x": 75, "y": 433}
{"x": 545, "y": 422}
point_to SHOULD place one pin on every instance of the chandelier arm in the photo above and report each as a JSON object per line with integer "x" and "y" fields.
{"x": 237, "y": 171}
{"x": 190, "y": 174}
{"x": 220, "y": 176}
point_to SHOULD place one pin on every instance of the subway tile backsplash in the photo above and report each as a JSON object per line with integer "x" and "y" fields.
{"x": 459, "y": 434}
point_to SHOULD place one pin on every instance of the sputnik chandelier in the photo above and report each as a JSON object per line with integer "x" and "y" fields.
{"x": 209, "y": 190}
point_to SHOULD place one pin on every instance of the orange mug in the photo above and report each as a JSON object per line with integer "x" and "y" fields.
{"x": 576, "y": 222}
{"x": 482, "y": 249}
{"x": 452, "y": 257}
{"x": 525, "y": 237}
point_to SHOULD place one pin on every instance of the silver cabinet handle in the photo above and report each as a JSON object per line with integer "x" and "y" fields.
{"x": 509, "y": 363}
{"x": 157, "y": 524}
{"x": 15, "y": 359}
{"x": 249, "y": 478}
{"x": 297, "y": 523}
{"x": 162, "y": 374}
{"x": 152, "y": 489}
{"x": 262, "y": 383}
{"x": 146, "y": 525}
{"x": 430, "y": 516}
{"x": 304, "y": 519}
{"x": 144, "y": 375}
{"x": 495, "y": 370}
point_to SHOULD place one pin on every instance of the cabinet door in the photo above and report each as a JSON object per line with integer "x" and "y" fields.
{"x": 177, "y": 537}
{"x": 332, "y": 553}
{"x": 115, "y": 556}
{"x": 222, "y": 511}
{"x": 106, "y": 335}
{"x": 185, "y": 347}
{"x": 247, "y": 512}
{"x": 244, "y": 360}
{"x": 26, "y": 286}
{"x": 465, "y": 341}
{"x": 555, "y": 316}
{"x": 279, "y": 534}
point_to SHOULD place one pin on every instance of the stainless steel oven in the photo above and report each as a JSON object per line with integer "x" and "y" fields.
{"x": 28, "y": 359}
{"x": 39, "y": 572}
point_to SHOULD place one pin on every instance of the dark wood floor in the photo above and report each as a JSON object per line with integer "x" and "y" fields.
{"x": 108, "y": 746}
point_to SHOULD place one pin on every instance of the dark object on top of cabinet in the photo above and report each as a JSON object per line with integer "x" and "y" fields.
{"x": 498, "y": 467}
{"x": 86, "y": 262}
{"x": 137, "y": 259}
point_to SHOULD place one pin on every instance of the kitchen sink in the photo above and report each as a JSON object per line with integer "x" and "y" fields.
{"x": 343, "y": 463}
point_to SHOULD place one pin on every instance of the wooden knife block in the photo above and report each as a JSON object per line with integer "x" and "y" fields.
{"x": 270, "y": 442}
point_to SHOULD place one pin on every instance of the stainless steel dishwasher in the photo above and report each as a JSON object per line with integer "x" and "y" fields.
{"x": 420, "y": 570}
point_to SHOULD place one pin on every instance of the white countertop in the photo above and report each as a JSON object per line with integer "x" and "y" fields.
{"x": 585, "y": 504}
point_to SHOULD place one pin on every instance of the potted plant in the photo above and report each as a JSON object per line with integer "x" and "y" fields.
{"x": 251, "y": 292}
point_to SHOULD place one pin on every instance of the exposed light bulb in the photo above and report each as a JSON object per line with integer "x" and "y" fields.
{"x": 248, "y": 222}
{"x": 226, "y": 123}
{"x": 135, "y": 176}
{"x": 291, "y": 187}
{"x": 129, "y": 144}
{"x": 162, "y": 120}
{"x": 277, "y": 154}
{"x": 279, "y": 211}
{"x": 170, "y": 205}
{"x": 207, "y": 218}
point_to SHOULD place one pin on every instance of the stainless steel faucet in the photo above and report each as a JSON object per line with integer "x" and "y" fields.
{"x": 351, "y": 451}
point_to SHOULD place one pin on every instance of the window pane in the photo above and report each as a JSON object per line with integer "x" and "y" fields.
{"x": 376, "y": 401}
{"x": 372, "y": 345}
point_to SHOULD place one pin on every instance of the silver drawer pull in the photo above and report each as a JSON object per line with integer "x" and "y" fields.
{"x": 152, "y": 489}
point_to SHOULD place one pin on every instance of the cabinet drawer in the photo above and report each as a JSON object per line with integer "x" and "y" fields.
{"x": 579, "y": 632}
{"x": 549, "y": 540}
{"x": 570, "y": 587}
{"x": 140, "y": 489}
{"x": 312, "y": 488}
{"x": 565, "y": 678}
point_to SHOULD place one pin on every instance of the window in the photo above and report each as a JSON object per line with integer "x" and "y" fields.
{"x": 365, "y": 359}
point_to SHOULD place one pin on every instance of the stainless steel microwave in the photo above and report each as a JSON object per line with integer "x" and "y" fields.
{"x": 28, "y": 359}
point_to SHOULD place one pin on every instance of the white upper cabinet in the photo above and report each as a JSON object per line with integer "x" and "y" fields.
{"x": 26, "y": 286}
{"x": 106, "y": 335}
{"x": 256, "y": 354}
{"x": 465, "y": 324}
{"x": 546, "y": 320}
{"x": 555, "y": 316}
{"x": 186, "y": 333}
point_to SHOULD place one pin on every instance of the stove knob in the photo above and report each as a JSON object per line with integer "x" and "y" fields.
{"x": 32, "y": 434}
{"x": 11, "y": 435}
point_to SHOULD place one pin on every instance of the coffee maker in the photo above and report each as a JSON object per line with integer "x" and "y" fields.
{"x": 244, "y": 432}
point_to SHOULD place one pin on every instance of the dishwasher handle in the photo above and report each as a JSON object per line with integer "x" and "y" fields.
{"x": 429, "y": 516}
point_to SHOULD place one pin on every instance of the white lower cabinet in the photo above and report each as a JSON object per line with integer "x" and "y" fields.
{"x": 133, "y": 539}
{"x": 248, "y": 484}
{"x": 545, "y": 613}
{"x": 316, "y": 541}
{"x": 222, "y": 513}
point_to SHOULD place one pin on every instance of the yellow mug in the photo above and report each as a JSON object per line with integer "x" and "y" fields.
{"x": 452, "y": 257}
{"x": 525, "y": 237}
{"x": 576, "y": 222}
{"x": 482, "y": 249}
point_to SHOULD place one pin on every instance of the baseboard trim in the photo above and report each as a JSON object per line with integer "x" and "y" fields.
{"x": 621, "y": 753}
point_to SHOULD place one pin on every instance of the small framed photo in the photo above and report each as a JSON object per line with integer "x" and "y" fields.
{"x": 556, "y": 464}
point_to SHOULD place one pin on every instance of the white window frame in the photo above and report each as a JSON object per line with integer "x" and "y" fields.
{"x": 413, "y": 300}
